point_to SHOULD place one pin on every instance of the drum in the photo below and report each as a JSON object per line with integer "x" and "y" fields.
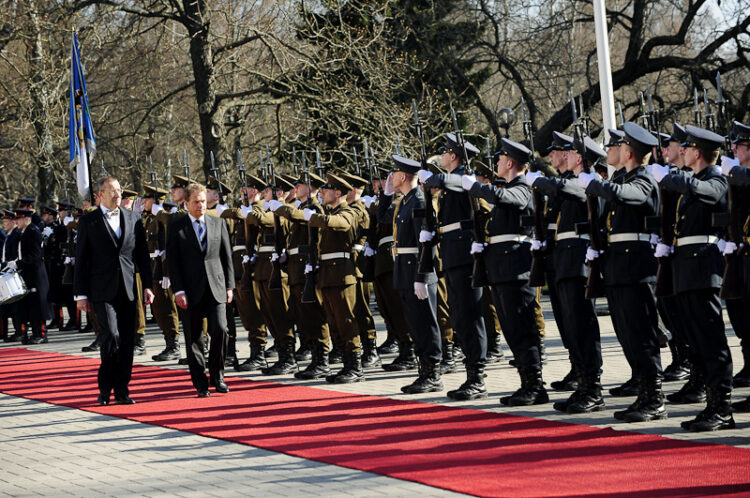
{"x": 12, "y": 287}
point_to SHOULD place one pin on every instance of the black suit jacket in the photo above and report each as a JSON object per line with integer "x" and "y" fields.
{"x": 190, "y": 269}
{"x": 102, "y": 259}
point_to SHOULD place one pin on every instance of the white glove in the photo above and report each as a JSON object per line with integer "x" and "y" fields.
{"x": 156, "y": 208}
{"x": 663, "y": 250}
{"x": 252, "y": 259}
{"x": 308, "y": 214}
{"x": 273, "y": 205}
{"x": 165, "y": 283}
{"x": 585, "y": 178}
{"x": 477, "y": 248}
{"x": 308, "y": 269}
{"x": 245, "y": 210}
{"x": 245, "y": 259}
{"x": 368, "y": 200}
{"x": 420, "y": 290}
{"x": 537, "y": 245}
{"x": 67, "y": 220}
{"x": 12, "y": 265}
{"x": 72, "y": 261}
{"x": 163, "y": 254}
{"x": 369, "y": 251}
{"x": 47, "y": 231}
{"x": 220, "y": 208}
{"x": 67, "y": 261}
{"x": 727, "y": 163}
{"x": 425, "y": 236}
{"x": 655, "y": 239}
{"x": 658, "y": 171}
{"x": 591, "y": 254}
{"x": 265, "y": 205}
{"x": 173, "y": 210}
{"x": 531, "y": 177}
{"x": 423, "y": 175}
{"x": 274, "y": 257}
{"x": 729, "y": 248}
{"x": 297, "y": 203}
{"x": 722, "y": 245}
{"x": 467, "y": 181}
{"x": 389, "y": 189}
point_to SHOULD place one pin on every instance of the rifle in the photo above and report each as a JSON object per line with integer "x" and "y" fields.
{"x": 536, "y": 274}
{"x": 104, "y": 171}
{"x": 708, "y": 115}
{"x": 696, "y": 109}
{"x": 398, "y": 145}
{"x": 295, "y": 168}
{"x": 733, "y": 282}
{"x": 426, "y": 257}
{"x": 318, "y": 167}
{"x": 217, "y": 175}
{"x": 151, "y": 172}
{"x": 274, "y": 282}
{"x": 243, "y": 177}
{"x": 367, "y": 263}
{"x": 357, "y": 168}
{"x": 479, "y": 272}
{"x": 655, "y": 127}
{"x": 185, "y": 166}
{"x": 308, "y": 292}
{"x": 595, "y": 282}
{"x": 619, "y": 113}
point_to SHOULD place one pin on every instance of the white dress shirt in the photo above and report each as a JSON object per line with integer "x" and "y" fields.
{"x": 202, "y": 221}
{"x": 114, "y": 221}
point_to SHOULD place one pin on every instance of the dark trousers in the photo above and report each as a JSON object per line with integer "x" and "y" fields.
{"x": 466, "y": 312}
{"x": 216, "y": 317}
{"x": 421, "y": 318}
{"x": 311, "y": 320}
{"x": 632, "y": 308}
{"x": 580, "y": 326}
{"x": 391, "y": 308}
{"x": 704, "y": 329}
{"x": 514, "y": 303}
{"x": 557, "y": 310}
{"x": 116, "y": 334}
{"x": 739, "y": 316}
{"x": 365, "y": 321}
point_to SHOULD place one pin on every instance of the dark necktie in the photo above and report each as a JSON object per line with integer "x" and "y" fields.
{"x": 201, "y": 234}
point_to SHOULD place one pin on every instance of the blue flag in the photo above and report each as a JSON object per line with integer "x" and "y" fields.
{"x": 82, "y": 140}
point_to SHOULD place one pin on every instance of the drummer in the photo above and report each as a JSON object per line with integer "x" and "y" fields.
{"x": 10, "y": 253}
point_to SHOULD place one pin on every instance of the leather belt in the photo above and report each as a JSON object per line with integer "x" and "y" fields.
{"x": 357, "y": 247}
{"x": 155, "y": 254}
{"x": 294, "y": 251}
{"x": 571, "y": 235}
{"x": 498, "y": 239}
{"x": 238, "y": 248}
{"x": 629, "y": 237}
{"x": 696, "y": 239}
{"x": 266, "y": 249}
{"x": 404, "y": 250}
{"x": 385, "y": 240}
{"x": 334, "y": 255}
{"x": 552, "y": 226}
{"x": 452, "y": 227}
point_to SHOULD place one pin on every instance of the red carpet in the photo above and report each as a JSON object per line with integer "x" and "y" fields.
{"x": 464, "y": 450}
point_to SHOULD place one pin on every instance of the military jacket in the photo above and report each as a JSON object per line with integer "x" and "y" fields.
{"x": 629, "y": 201}
{"x": 697, "y": 266}
{"x": 265, "y": 221}
{"x": 10, "y": 246}
{"x": 363, "y": 225}
{"x": 337, "y": 236}
{"x": 298, "y": 238}
{"x": 383, "y": 212}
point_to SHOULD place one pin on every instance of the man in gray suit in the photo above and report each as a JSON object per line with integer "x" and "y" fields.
{"x": 202, "y": 278}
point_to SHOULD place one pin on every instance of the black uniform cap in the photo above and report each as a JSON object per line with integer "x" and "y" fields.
{"x": 66, "y": 206}
{"x": 451, "y": 145}
{"x": 702, "y": 139}
{"x": 26, "y": 201}
{"x": 405, "y": 165}
{"x": 638, "y": 137}
{"x": 23, "y": 213}
{"x": 49, "y": 210}
{"x": 662, "y": 137}
{"x": 560, "y": 141}
{"x": 615, "y": 137}
{"x": 593, "y": 151}
{"x": 169, "y": 205}
{"x": 678, "y": 133}
{"x": 517, "y": 151}
{"x": 740, "y": 132}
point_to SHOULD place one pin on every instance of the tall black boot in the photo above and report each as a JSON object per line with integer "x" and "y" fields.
{"x": 495, "y": 349}
{"x": 256, "y": 361}
{"x": 629, "y": 388}
{"x": 448, "y": 364}
{"x": 531, "y": 392}
{"x": 717, "y": 415}
{"x": 567, "y": 383}
{"x": 590, "y": 396}
{"x": 318, "y": 367}
{"x": 428, "y": 380}
{"x": 304, "y": 353}
{"x": 679, "y": 369}
{"x": 370, "y": 356}
{"x": 390, "y": 345}
{"x": 742, "y": 379}
{"x": 693, "y": 391}
{"x": 473, "y": 388}
{"x": 171, "y": 351}
{"x": 406, "y": 359}
{"x": 230, "y": 360}
{"x": 139, "y": 348}
{"x": 286, "y": 363}
{"x": 352, "y": 371}
{"x": 652, "y": 405}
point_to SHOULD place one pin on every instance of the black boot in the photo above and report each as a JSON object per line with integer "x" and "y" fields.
{"x": 717, "y": 415}
{"x": 568, "y": 383}
{"x": 742, "y": 406}
{"x": 390, "y": 345}
{"x": 171, "y": 351}
{"x": 286, "y": 363}
{"x": 679, "y": 369}
{"x": 272, "y": 352}
{"x": 94, "y": 346}
{"x": 448, "y": 364}
{"x": 336, "y": 355}
{"x": 370, "y": 356}
{"x": 473, "y": 388}
{"x": 495, "y": 349}
{"x": 352, "y": 371}
{"x": 140, "y": 345}
{"x": 531, "y": 392}
{"x": 318, "y": 367}
{"x": 230, "y": 360}
{"x": 256, "y": 361}
{"x": 428, "y": 380}
{"x": 542, "y": 349}
{"x": 589, "y": 397}
{"x": 406, "y": 360}
{"x": 652, "y": 405}
{"x": 304, "y": 353}
{"x": 742, "y": 379}
{"x": 40, "y": 336}
{"x": 630, "y": 388}
{"x": 692, "y": 392}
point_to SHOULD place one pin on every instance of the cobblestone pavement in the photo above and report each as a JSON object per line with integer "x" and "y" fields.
{"x": 55, "y": 451}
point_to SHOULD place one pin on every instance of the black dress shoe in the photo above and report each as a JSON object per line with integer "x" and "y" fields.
{"x": 124, "y": 400}
{"x": 221, "y": 387}
{"x": 94, "y": 346}
{"x": 103, "y": 399}
{"x": 203, "y": 393}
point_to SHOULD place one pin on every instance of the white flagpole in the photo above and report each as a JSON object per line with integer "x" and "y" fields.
{"x": 605, "y": 70}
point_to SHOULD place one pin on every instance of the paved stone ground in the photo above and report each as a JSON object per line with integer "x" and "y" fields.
{"x": 53, "y": 450}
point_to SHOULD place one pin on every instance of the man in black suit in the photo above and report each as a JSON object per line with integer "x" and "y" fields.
{"x": 111, "y": 247}
{"x": 202, "y": 277}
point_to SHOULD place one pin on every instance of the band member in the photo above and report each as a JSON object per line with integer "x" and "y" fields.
{"x": 202, "y": 277}
{"x": 111, "y": 247}
{"x": 10, "y": 253}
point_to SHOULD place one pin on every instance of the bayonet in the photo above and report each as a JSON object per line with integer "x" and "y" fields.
{"x": 185, "y": 166}
{"x": 696, "y": 109}
{"x": 619, "y": 112}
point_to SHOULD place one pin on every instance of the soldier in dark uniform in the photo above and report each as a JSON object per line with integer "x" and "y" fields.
{"x": 508, "y": 260}
{"x": 139, "y": 348}
{"x": 310, "y": 316}
{"x": 54, "y": 236}
{"x": 65, "y": 212}
{"x": 10, "y": 253}
{"x": 737, "y": 171}
{"x": 580, "y": 325}
{"x": 27, "y": 203}
{"x": 455, "y": 236}
{"x": 697, "y": 269}
{"x": 629, "y": 269}
{"x": 418, "y": 290}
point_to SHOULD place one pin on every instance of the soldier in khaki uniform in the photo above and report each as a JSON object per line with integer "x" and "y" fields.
{"x": 336, "y": 279}
{"x": 310, "y": 316}
{"x": 163, "y": 307}
{"x": 128, "y": 200}
{"x": 273, "y": 302}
